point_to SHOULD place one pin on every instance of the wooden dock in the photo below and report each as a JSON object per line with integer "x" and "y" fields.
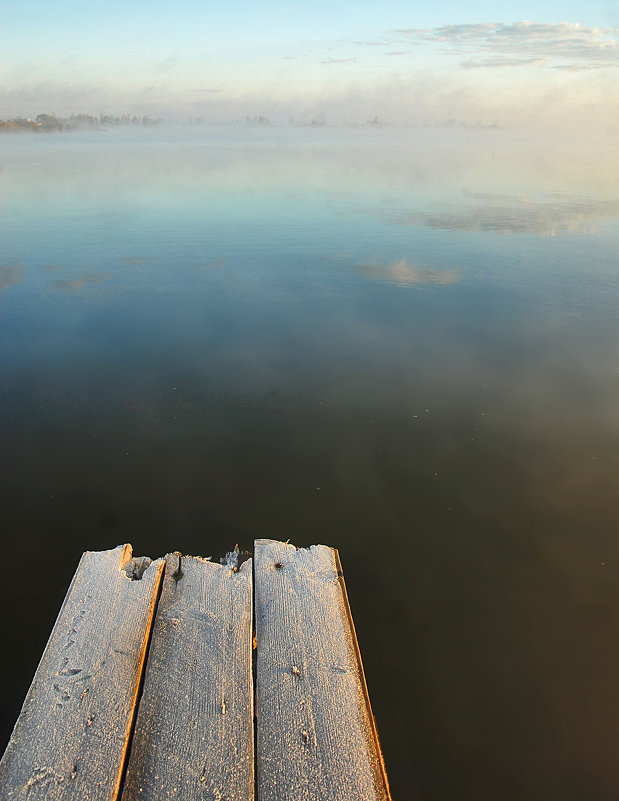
{"x": 156, "y": 684}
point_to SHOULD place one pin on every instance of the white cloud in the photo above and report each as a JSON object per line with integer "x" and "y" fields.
{"x": 565, "y": 45}
{"x": 505, "y": 61}
{"x": 339, "y": 61}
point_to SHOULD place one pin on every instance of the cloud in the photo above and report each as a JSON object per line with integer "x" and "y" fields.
{"x": 465, "y": 33}
{"x": 10, "y": 274}
{"x": 167, "y": 64}
{"x": 566, "y": 44}
{"x": 500, "y": 62}
{"x": 401, "y": 273}
{"x": 59, "y": 97}
{"x": 339, "y": 61}
{"x": 575, "y": 67}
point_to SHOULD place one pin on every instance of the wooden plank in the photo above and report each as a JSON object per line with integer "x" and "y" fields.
{"x": 70, "y": 739}
{"x": 316, "y": 737}
{"x": 194, "y": 732}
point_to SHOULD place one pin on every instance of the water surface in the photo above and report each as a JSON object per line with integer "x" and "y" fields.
{"x": 399, "y": 343}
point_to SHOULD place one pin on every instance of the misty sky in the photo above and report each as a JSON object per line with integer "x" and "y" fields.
{"x": 516, "y": 64}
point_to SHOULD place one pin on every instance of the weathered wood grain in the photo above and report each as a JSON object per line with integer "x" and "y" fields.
{"x": 70, "y": 739}
{"x": 316, "y": 738}
{"x": 194, "y": 732}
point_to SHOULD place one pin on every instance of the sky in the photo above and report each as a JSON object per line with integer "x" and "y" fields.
{"x": 512, "y": 64}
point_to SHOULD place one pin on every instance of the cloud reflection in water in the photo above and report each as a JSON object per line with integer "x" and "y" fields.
{"x": 518, "y": 215}
{"x": 10, "y": 274}
{"x": 401, "y": 273}
{"x": 73, "y": 285}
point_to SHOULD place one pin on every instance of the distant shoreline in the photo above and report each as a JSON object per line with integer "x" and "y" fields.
{"x": 50, "y": 123}
{"x": 47, "y": 123}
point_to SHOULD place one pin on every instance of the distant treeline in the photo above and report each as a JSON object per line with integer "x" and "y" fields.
{"x": 50, "y": 122}
{"x": 77, "y": 122}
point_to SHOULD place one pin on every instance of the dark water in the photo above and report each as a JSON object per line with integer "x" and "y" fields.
{"x": 402, "y": 344}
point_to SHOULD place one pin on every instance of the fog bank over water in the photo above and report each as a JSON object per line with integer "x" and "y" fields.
{"x": 488, "y": 164}
{"x": 560, "y": 107}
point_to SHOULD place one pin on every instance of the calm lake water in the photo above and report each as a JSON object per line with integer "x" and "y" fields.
{"x": 403, "y": 344}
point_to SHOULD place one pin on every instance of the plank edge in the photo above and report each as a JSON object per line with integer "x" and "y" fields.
{"x": 362, "y": 679}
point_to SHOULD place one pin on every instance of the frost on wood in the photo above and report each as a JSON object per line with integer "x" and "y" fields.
{"x": 70, "y": 739}
{"x": 315, "y": 731}
{"x": 235, "y": 558}
{"x": 193, "y": 737}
